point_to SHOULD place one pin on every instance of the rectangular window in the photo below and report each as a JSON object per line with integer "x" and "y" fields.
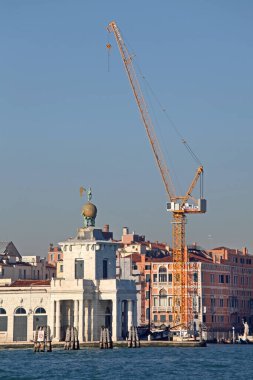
{"x": 147, "y": 267}
{"x": 154, "y": 277}
{"x": 155, "y": 301}
{"x": 235, "y": 280}
{"x": 212, "y": 301}
{"x": 221, "y": 278}
{"x": 162, "y": 277}
{"x": 155, "y": 317}
{"x": 163, "y": 301}
{"x": 221, "y": 302}
{"x": 147, "y": 313}
{"x": 162, "y": 318}
{"x": 227, "y": 279}
{"x": 204, "y": 318}
{"x": 147, "y": 295}
{"x": 212, "y": 278}
{"x": 148, "y": 277}
{"x": 170, "y": 277}
{"x": 79, "y": 269}
{"x": 61, "y": 268}
{"x": 59, "y": 256}
{"x": 170, "y": 318}
{"x": 195, "y": 277}
{"x": 105, "y": 269}
{"x": 3, "y": 323}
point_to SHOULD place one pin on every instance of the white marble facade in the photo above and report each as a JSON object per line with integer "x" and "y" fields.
{"x": 86, "y": 295}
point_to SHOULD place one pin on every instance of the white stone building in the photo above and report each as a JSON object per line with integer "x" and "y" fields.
{"x": 87, "y": 295}
{"x": 13, "y": 266}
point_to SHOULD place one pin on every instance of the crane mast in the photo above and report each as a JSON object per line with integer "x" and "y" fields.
{"x": 182, "y": 302}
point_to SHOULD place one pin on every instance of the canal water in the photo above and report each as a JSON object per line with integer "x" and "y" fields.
{"x": 213, "y": 362}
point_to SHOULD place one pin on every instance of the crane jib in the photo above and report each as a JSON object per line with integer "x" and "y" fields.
{"x": 182, "y": 306}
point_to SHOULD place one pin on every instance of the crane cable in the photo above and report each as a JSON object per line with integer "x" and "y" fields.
{"x": 184, "y": 142}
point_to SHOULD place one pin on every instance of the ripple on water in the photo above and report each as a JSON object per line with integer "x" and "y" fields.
{"x": 219, "y": 361}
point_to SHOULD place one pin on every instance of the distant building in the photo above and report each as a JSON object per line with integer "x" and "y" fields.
{"x": 54, "y": 254}
{"x": 132, "y": 254}
{"x": 13, "y": 266}
{"x": 9, "y": 253}
{"x": 220, "y": 285}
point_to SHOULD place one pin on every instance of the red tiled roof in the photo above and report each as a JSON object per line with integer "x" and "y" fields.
{"x": 136, "y": 257}
{"x": 27, "y": 283}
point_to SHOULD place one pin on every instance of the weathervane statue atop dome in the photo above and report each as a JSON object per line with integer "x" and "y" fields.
{"x": 89, "y": 210}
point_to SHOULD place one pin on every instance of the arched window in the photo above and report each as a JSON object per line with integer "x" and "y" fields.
{"x": 3, "y": 320}
{"x": 2, "y": 311}
{"x": 40, "y": 310}
{"x": 162, "y": 274}
{"x": 163, "y": 298}
{"x": 20, "y": 310}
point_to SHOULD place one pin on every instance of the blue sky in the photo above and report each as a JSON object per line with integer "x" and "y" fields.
{"x": 65, "y": 121}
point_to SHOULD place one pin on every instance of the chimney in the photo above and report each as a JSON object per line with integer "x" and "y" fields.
{"x": 125, "y": 231}
{"x": 244, "y": 251}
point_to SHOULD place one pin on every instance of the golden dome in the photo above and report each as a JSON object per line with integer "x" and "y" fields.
{"x": 89, "y": 210}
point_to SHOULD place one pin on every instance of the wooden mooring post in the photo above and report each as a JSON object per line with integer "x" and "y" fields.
{"x": 105, "y": 338}
{"x": 133, "y": 337}
{"x": 71, "y": 339}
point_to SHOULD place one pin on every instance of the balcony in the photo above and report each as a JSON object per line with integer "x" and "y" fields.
{"x": 160, "y": 283}
{"x": 233, "y": 309}
{"x": 157, "y": 309}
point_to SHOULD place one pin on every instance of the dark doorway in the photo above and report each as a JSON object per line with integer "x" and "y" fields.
{"x": 20, "y": 328}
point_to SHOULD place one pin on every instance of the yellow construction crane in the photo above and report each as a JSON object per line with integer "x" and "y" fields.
{"x": 178, "y": 205}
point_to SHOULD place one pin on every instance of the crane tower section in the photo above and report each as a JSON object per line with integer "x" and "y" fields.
{"x": 179, "y": 206}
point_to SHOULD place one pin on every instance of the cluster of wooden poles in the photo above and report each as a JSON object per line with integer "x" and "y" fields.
{"x": 133, "y": 338}
{"x": 71, "y": 339}
{"x": 42, "y": 339}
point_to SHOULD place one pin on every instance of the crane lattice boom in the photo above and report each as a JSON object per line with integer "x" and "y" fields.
{"x": 182, "y": 309}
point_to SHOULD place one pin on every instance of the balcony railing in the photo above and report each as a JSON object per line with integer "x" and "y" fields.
{"x": 160, "y": 283}
{"x": 162, "y": 308}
